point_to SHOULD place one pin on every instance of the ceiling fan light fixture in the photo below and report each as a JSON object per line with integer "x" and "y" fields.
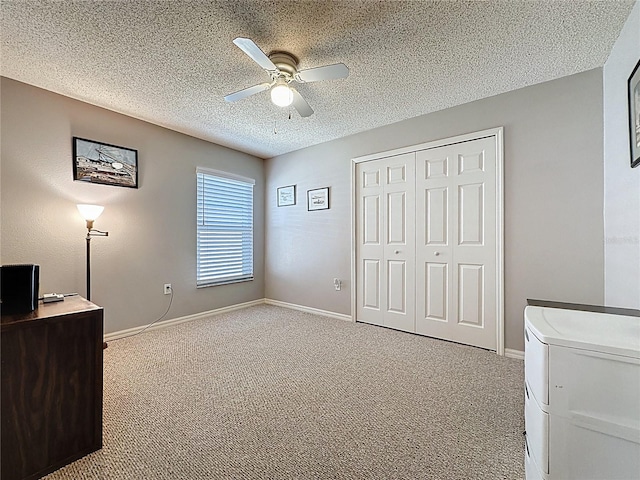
{"x": 282, "y": 68}
{"x": 281, "y": 95}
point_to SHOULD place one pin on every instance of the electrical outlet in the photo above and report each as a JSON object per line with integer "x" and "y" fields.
{"x": 337, "y": 283}
{"x": 167, "y": 289}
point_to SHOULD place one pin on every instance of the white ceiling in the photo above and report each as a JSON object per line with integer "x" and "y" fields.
{"x": 172, "y": 62}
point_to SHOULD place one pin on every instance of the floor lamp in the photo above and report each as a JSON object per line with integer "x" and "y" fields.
{"x": 90, "y": 213}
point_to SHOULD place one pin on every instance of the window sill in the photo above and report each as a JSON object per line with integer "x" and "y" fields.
{"x": 225, "y": 282}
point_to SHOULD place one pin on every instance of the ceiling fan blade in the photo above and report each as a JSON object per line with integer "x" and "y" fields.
{"x": 250, "y": 48}
{"x": 247, "y": 92}
{"x": 328, "y": 72}
{"x": 300, "y": 104}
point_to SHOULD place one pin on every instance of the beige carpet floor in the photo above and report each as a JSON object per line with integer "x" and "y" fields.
{"x": 273, "y": 393}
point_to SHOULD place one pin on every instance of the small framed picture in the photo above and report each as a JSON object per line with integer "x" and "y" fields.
{"x": 318, "y": 199}
{"x": 97, "y": 162}
{"x": 286, "y": 196}
{"x": 634, "y": 115}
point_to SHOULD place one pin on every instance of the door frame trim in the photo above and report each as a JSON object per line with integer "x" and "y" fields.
{"x": 498, "y": 133}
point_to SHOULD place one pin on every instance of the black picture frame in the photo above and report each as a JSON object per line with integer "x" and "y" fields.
{"x": 286, "y": 196}
{"x": 103, "y": 163}
{"x": 633, "y": 87}
{"x": 318, "y": 199}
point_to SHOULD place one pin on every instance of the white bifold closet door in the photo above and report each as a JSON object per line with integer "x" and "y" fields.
{"x": 426, "y": 253}
{"x": 385, "y": 274}
{"x": 456, "y": 242}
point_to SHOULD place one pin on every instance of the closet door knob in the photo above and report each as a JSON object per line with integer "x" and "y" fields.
{"x": 397, "y": 252}
{"x": 436, "y": 253}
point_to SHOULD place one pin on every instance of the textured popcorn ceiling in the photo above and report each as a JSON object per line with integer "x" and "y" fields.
{"x": 171, "y": 62}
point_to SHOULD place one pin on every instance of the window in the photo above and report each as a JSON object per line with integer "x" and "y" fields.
{"x": 225, "y": 228}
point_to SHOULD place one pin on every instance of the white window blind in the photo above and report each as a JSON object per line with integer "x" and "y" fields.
{"x": 225, "y": 228}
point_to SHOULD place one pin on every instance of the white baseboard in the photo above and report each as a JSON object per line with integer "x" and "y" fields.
{"x": 176, "y": 321}
{"x": 517, "y": 354}
{"x": 508, "y": 352}
{"x": 302, "y": 308}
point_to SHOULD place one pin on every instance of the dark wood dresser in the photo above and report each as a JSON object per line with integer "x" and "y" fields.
{"x": 51, "y": 387}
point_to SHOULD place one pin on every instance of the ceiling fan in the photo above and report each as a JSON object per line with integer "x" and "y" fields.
{"x": 282, "y": 68}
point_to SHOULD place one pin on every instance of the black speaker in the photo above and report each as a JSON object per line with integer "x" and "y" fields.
{"x": 19, "y": 286}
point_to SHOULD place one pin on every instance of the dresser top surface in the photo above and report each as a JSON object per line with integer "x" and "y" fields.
{"x": 607, "y": 333}
{"x": 584, "y": 307}
{"x": 70, "y": 305}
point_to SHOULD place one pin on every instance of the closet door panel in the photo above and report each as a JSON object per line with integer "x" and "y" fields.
{"x": 436, "y": 293}
{"x": 399, "y": 247}
{"x": 385, "y": 278}
{"x": 370, "y": 229}
{"x": 456, "y": 226}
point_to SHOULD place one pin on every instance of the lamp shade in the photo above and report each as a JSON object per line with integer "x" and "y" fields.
{"x": 90, "y": 212}
{"x": 281, "y": 95}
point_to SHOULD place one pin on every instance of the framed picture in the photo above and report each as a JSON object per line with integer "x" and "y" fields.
{"x": 97, "y": 162}
{"x": 318, "y": 199}
{"x": 634, "y": 115}
{"x": 286, "y": 196}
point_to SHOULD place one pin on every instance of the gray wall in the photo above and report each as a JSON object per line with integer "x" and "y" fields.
{"x": 553, "y": 203}
{"x": 152, "y": 230}
{"x": 622, "y": 184}
{"x": 553, "y": 199}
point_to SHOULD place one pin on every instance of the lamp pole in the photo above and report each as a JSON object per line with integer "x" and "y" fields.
{"x": 90, "y": 213}
{"x": 91, "y": 232}
{"x": 96, "y": 233}
{"x": 89, "y": 265}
